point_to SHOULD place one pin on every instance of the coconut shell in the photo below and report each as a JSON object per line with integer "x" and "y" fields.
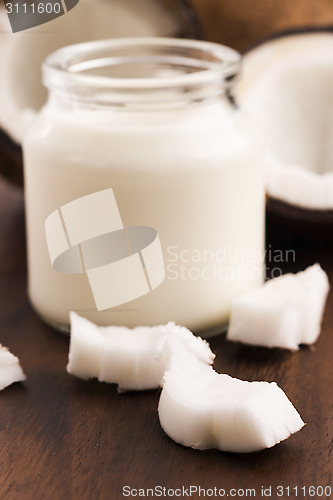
{"x": 292, "y": 224}
{"x": 241, "y": 24}
{"x": 297, "y": 214}
{"x": 189, "y": 24}
{"x": 11, "y": 160}
{"x": 288, "y": 226}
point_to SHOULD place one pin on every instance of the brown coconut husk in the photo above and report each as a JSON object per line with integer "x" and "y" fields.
{"x": 241, "y": 24}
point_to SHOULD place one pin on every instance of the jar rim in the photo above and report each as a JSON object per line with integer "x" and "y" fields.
{"x": 211, "y": 64}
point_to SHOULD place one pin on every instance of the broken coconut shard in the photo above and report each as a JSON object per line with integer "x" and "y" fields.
{"x": 203, "y": 409}
{"x": 10, "y": 369}
{"x": 285, "y": 312}
{"x": 198, "y": 407}
{"x": 135, "y": 359}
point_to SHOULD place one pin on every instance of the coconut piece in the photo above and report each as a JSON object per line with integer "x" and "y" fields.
{"x": 287, "y": 88}
{"x": 284, "y": 312}
{"x": 10, "y": 369}
{"x": 22, "y": 54}
{"x": 135, "y": 359}
{"x": 203, "y": 409}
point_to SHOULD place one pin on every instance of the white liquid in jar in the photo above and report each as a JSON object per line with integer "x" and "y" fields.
{"x": 195, "y": 175}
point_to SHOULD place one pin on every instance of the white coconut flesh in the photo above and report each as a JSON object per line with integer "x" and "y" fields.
{"x": 135, "y": 359}
{"x": 21, "y": 54}
{"x": 285, "y": 312}
{"x": 203, "y": 409}
{"x": 10, "y": 368}
{"x": 287, "y": 88}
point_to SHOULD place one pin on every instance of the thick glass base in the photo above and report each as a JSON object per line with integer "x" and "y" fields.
{"x": 65, "y": 328}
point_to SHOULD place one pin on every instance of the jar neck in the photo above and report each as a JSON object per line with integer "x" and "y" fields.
{"x": 71, "y": 102}
{"x": 141, "y": 74}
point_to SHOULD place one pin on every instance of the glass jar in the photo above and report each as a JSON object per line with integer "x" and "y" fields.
{"x": 144, "y": 186}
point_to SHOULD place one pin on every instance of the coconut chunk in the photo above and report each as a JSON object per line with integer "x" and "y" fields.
{"x": 10, "y": 369}
{"x": 285, "y": 312}
{"x": 135, "y": 359}
{"x": 203, "y": 409}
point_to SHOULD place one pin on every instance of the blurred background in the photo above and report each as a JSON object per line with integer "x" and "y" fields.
{"x": 236, "y": 23}
{"x": 242, "y": 23}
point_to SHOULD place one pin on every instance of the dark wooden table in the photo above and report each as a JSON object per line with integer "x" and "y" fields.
{"x": 62, "y": 438}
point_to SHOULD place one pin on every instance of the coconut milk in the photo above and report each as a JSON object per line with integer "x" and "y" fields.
{"x": 193, "y": 173}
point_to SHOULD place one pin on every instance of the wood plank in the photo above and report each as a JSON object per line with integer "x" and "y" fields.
{"x": 64, "y": 438}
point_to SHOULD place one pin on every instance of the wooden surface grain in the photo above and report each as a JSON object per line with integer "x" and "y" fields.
{"x": 62, "y": 438}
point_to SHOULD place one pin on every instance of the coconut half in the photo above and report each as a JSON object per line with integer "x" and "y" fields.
{"x": 21, "y": 55}
{"x": 203, "y": 409}
{"x": 287, "y": 88}
{"x": 135, "y": 359}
